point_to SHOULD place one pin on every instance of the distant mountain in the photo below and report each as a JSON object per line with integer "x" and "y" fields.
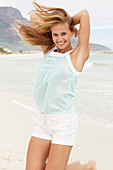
{"x": 8, "y": 38}
{"x": 98, "y": 47}
{"x": 93, "y": 47}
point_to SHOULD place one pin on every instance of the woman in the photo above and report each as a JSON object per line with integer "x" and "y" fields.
{"x": 56, "y": 123}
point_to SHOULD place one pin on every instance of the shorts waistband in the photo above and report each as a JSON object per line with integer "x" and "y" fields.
{"x": 57, "y": 114}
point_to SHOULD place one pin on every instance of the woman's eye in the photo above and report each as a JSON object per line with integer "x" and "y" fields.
{"x": 55, "y": 35}
{"x": 64, "y": 33}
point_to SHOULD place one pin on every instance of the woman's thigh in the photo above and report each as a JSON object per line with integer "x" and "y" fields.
{"x": 58, "y": 157}
{"x": 37, "y": 153}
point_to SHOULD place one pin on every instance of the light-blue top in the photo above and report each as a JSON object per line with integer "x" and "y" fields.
{"x": 55, "y": 85}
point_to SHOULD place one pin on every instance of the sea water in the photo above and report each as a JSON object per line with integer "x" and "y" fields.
{"x": 94, "y": 91}
{"x": 94, "y": 96}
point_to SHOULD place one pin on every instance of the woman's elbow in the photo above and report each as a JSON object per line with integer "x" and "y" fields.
{"x": 85, "y": 12}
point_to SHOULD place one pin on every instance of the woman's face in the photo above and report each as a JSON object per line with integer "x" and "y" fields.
{"x": 61, "y": 35}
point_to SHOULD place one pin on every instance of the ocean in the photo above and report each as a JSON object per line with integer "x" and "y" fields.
{"x": 94, "y": 91}
{"x": 94, "y": 98}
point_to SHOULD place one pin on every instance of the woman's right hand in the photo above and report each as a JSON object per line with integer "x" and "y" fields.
{"x": 76, "y": 32}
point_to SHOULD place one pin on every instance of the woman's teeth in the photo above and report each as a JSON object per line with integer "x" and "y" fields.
{"x": 61, "y": 43}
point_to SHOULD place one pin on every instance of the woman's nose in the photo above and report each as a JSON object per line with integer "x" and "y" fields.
{"x": 60, "y": 38}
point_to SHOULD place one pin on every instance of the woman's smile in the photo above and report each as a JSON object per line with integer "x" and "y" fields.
{"x": 61, "y": 43}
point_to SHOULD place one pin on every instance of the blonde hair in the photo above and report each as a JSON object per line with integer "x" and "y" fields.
{"x": 45, "y": 17}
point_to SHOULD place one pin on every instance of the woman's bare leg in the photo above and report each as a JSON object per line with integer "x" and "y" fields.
{"x": 73, "y": 164}
{"x": 58, "y": 158}
{"x": 39, "y": 149}
{"x": 37, "y": 154}
{"x": 70, "y": 165}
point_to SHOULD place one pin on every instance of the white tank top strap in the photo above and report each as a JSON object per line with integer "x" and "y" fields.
{"x": 77, "y": 73}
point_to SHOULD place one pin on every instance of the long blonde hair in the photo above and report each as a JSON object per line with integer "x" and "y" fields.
{"x": 45, "y": 17}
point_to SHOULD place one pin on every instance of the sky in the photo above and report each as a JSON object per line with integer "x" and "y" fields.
{"x": 100, "y": 11}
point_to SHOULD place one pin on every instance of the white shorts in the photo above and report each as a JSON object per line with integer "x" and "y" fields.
{"x": 60, "y": 128}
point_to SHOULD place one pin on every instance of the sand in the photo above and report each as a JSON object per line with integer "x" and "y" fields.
{"x": 16, "y": 125}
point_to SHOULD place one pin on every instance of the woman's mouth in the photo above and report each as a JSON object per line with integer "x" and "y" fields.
{"x": 61, "y": 43}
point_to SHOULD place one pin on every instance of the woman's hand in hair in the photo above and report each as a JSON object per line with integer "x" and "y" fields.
{"x": 83, "y": 19}
{"x": 76, "y": 32}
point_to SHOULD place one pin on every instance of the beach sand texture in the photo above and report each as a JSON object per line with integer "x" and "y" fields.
{"x": 16, "y": 125}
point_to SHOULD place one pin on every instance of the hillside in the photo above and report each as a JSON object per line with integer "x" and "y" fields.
{"x": 98, "y": 47}
{"x": 8, "y": 38}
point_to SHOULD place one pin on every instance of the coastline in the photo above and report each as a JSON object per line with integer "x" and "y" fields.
{"x": 93, "y": 141}
{"x": 35, "y": 53}
{"x": 15, "y": 55}
{"x": 101, "y": 52}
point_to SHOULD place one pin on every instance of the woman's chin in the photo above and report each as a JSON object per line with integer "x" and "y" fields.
{"x": 61, "y": 47}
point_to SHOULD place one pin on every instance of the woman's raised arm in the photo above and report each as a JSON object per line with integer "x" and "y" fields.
{"x": 82, "y": 18}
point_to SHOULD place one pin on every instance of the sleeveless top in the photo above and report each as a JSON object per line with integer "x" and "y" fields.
{"x": 55, "y": 85}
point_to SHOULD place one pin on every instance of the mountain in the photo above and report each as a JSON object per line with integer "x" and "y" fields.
{"x": 93, "y": 47}
{"x": 9, "y": 39}
{"x": 98, "y": 47}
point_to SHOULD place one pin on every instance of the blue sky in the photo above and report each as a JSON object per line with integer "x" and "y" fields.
{"x": 101, "y": 13}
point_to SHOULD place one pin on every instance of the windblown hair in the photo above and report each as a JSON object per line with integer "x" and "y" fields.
{"x": 45, "y": 18}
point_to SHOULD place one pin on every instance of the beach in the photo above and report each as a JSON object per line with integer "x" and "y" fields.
{"x": 93, "y": 103}
{"x": 93, "y": 141}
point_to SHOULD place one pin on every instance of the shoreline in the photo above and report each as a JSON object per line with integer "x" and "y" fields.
{"x": 101, "y": 52}
{"x": 35, "y": 53}
{"x": 93, "y": 142}
{"x": 21, "y": 55}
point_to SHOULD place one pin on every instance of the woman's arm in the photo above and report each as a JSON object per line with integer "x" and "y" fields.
{"x": 82, "y": 18}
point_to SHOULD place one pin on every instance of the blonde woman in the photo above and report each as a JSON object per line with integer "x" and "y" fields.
{"x": 56, "y": 122}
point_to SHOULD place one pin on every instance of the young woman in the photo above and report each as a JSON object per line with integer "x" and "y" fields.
{"x": 56, "y": 123}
